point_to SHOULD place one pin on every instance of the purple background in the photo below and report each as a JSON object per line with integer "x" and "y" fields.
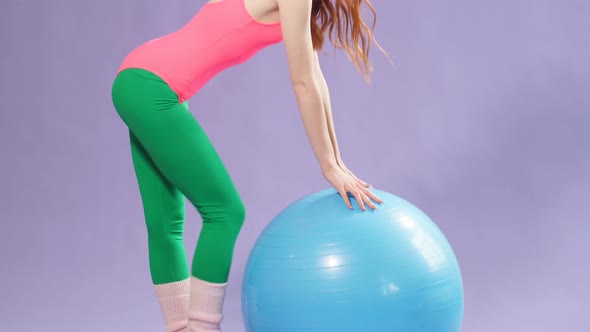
{"x": 483, "y": 122}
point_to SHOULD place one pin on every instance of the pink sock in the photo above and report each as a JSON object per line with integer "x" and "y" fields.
{"x": 174, "y": 301}
{"x": 206, "y": 304}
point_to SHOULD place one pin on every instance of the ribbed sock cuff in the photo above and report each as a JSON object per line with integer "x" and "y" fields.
{"x": 173, "y": 289}
{"x": 206, "y": 305}
{"x": 174, "y": 302}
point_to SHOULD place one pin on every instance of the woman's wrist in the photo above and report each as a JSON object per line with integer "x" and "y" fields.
{"x": 328, "y": 165}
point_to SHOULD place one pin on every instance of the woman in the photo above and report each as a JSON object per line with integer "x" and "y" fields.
{"x": 173, "y": 157}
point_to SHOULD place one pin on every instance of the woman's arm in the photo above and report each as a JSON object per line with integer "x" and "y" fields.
{"x": 325, "y": 92}
{"x": 295, "y": 17}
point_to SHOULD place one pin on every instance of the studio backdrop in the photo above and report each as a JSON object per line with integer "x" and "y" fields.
{"x": 482, "y": 121}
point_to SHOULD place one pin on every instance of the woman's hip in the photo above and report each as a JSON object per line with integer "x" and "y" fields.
{"x": 138, "y": 90}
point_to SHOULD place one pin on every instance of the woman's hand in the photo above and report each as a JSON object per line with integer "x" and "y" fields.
{"x": 363, "y": 183}
{"x": 345, "y": 182}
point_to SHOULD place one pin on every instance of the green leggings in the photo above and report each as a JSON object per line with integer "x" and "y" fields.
{"x": 174, "y": 158}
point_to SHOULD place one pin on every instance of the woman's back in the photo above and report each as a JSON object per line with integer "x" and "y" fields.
{"x": 220, "y": 35}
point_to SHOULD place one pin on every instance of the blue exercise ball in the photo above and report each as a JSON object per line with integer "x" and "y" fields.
{"x": 320, "y": 267}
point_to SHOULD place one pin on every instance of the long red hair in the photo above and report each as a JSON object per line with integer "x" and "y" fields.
{"x": 342, "y": 21}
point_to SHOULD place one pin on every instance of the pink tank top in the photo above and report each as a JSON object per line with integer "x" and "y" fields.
{"x": 220, "y": 35}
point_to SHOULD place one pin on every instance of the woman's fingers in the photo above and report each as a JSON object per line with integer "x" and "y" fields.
{"x": 344, "y": 196}
{"x": 372, "y": 196}
{"x": 368, "y": 202}
{"x": 347, "y": 183}
{"x": 365, "y": 195}
{"x": 362, "y": 195}
{"x": 358, "y": 195}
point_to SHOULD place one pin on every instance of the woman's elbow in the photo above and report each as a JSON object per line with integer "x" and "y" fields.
{"x": 304, "y": 81}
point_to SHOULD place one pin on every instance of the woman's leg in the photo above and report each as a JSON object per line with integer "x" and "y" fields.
{"x": 163, "y": 207}
{"x": 182, "y": 152}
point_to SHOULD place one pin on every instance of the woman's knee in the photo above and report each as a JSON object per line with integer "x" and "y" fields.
{"x": 238, "y": 213}
{"x": 235, "y": 214}
{"x": 231, "y": 212}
